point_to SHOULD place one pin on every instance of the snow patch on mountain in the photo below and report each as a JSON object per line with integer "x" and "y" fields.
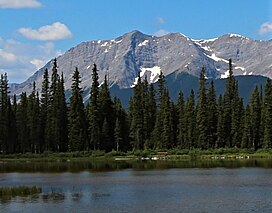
{"x": 215, "y": 58}
{"x": 239, "y": 68}
{"x": 151, "y": 74}
{"x": 143, "y": 43}
{"x": 225, "y": 75}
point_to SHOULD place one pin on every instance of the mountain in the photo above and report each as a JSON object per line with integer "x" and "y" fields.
{"x": 124, "y": 57}
{"x": 185, "y": 82}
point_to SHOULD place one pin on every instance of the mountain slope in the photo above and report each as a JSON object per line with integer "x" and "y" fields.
{"x": 124, "y": 57}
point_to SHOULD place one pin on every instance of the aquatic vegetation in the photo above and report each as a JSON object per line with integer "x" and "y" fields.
{"x": 7, "y": 192}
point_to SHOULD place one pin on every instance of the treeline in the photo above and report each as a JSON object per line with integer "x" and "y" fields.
{"x": 45, "y": 122}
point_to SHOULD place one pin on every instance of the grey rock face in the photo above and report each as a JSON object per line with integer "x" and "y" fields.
{"x": 124, "y": 57}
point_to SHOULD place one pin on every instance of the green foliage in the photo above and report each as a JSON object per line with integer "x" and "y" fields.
{"x": 8, "y": 192}
{"x": 44, "y": 124}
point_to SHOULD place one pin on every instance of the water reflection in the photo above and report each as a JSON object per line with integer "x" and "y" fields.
{"x": 112, "y": 165}
{"x": 146, "y": 187}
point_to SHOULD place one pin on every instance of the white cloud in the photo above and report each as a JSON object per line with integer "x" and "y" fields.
{"x": 19, "y": 4}
{"x": 56, "y": 31}
{"x": 160, "y": 33}
{"x": 21, "y": 60}
{"x": 38, "y": 63}
{"x": 160, "y": 20}
{"x": 265, "y": 28}
{"x": 7, "y": 57}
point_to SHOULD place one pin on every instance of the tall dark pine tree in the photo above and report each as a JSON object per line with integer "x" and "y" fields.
{"x": 136, "y": 117}
{"x": 255, "y": 115}
{"x": 211, "y": 117}
{"x": 228, "y": 104}
{"x": 181, "y": 121}
{"x": 45, "y": 117}
{"x": 190, "y": 122}
{"x": 77, "y": 120}
{"x": 121, "y": 129}
{"x": 62, "y": 118}
{"x": 93, "y": 112}
{"x": 247, "y": 130}
{"x": 220, "y": 139}
{"x": 51, "y": 136}
{"x": 22, "y": 127}
{"x": 166, "y": 140}
{"x": 201, "y": 116}
{"x": 56, "y": 132}
{"x": 267, "y": 115}
{"x": 237, "y": 121}
{"x": 4, "y": 103}
{"x": 106, "y": 117}
{"x": 33, "y": 114}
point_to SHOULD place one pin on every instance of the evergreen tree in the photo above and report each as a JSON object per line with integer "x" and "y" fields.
{"x": 62, "y": 118}
{"x": 93, "y": 113}
{"x": 247, "y": 130}
{"x": 255, "y": 116}
{"x": 236, "y": 118}
{"x": 181, "y": 121}
{"x": 45, "y": 117}
{"x": 22, "y": 125}
{"x": 121, "y": 130}
{"x": 211, "y": 117}
{"x": 220, "y": 139}
{"x": 4, "y": 102}
{"x": 118, "y": 139}
{"x": 77, "y": 121}
{"x": 201, "y": 116}
{"x": 228, "y": 104}
{"x": 190, "y": 122}
{"x": 267, "y": 117}
{"x": 106, "y": 117}
{"x": 33, "y": 118}
{"x": 136, "y": 117}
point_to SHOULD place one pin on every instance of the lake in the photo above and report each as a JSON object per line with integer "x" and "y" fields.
{"x": 141, "y": 186}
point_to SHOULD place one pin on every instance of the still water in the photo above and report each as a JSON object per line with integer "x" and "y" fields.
{"x": 137, "y": 186}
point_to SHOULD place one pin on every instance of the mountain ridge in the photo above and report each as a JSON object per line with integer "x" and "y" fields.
{"x": 124, "y": 57}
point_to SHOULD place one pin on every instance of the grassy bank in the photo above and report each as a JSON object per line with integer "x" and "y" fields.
{"x": 23, "y": 191}
{"x": 146, "y": 154}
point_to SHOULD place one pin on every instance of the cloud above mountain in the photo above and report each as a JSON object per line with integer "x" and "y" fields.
{"x": 21, "y": 60}
{"x": 53, "y": 32}
{"x": 17, "y": 4}
{"x": 265, "y": 28}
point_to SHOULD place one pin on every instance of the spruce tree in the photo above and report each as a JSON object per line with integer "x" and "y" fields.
{"x": 255, "y": 116}
{"x": 267, "y": 117}
{"x": 228, "y": 104}
{"x": 33, "y": 118}
{"x": 121, "y": 129}
{"x": 45, "y": 117}
{"x": 181, "y": 121}
{"x": 220, "y": 139}
{"x": 106, "y": 117}
{"x": 22, "y": 125}
{"x": 4, "y": 102}
{"x": 190, "y": 122}
{"x": 236, "y": 118}
{"x": 201, "y": 113}
{"x": 211, "y": 117}
{"x": 93, "y": 112}
{"x": 136, "y": 117}
{"x": 77, "y": 120}
{"x": 247, "y": 130}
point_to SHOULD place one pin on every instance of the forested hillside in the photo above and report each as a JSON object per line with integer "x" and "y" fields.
{"x": 45, "y": 122}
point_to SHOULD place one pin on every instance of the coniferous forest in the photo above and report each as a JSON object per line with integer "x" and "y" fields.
{"x": 48, "y": 122}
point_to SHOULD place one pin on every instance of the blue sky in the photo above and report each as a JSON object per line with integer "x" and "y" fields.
{"x": 34, "y": 31}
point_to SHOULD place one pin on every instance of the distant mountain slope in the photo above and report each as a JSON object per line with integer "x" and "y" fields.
{"x": 184, "y": 82}
{"x": 124, "y": 57}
